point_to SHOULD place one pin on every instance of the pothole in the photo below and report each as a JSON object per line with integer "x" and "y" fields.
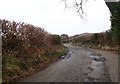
{"x": 67, "y": 55}
{"x": 97, "y": 57}
{"x": 89, "y": 79}
{"x": 90, "y": 69}
{"x": 96, "y": 70}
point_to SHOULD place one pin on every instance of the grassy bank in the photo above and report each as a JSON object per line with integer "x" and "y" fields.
{"x": 27, "y": 48}
{"x": 16, "y": 68}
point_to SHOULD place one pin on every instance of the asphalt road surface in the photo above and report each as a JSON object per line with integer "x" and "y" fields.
{"x": 80, "y": 65}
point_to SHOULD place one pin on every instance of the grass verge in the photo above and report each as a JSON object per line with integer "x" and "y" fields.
{"x": 14, "y": 68}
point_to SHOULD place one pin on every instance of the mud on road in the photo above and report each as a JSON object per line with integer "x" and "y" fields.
{"x": 80, "y": 65}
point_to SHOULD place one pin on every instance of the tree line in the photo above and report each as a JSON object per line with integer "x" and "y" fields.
{"x": 103, "y": 40}
{"x": 115, "y": 20}
{"x": 26, "y": 47}
{"x": 22, "y": 38}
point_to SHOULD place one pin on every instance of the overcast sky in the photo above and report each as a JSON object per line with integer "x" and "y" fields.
{"x": 54, "y": 18}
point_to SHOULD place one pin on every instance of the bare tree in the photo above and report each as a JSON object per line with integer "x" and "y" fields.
{"x": 78, "y": 5}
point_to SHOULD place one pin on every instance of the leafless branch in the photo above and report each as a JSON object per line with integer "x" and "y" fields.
{"x": 78, "y": 7}
{"x": 65, "y": 3}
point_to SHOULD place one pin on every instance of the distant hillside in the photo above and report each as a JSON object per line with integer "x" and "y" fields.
{"x": 79, "y": 35}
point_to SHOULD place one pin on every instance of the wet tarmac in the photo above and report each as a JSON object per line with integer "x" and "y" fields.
{"x": 78, "y": 65}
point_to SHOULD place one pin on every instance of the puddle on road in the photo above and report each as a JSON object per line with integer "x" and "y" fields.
{"x": 70, "y": 52}
{"x": 97, "y": 58}
{"x": 97, "y": 69}
{"x": 96, "y": 63}
{"x": 67, "y": 55}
